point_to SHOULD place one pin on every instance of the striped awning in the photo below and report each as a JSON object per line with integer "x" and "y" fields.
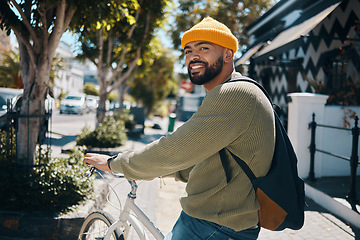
{"x": 297, "y": 30}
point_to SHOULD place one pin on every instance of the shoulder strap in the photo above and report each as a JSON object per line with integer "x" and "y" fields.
{"x": 225, "y": 164}
{"x": 240, "y": 162}
{"x": 247, "y": 79}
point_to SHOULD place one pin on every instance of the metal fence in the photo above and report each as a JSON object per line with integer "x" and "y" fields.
{"x": 353, "y": 159}
{"x": 45, "y": 124}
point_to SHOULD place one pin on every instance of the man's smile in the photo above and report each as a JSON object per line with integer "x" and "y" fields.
{"x": 196, "y": 67}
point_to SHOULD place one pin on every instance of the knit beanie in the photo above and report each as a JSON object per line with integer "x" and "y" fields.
{"x": 212, "y": 31}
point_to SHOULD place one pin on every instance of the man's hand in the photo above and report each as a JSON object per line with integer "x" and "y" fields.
{"x": 99, "y": 161}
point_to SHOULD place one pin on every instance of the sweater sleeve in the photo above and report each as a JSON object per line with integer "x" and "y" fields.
{"x": 225, "y": 114}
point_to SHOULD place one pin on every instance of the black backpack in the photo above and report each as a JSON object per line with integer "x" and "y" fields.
{"x": 280, "y": 192}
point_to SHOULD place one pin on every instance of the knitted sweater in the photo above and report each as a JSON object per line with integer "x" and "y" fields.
{"x": 236, "y": 115}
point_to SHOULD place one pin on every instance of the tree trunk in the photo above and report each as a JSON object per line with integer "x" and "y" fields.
{"x": 27, "y": 134}
{"x": 101, "y": 110}
{"x": 121, "y": 91}
{"x": 35, "y": 75}
{"x": 32, "y": 108}
{"x": 123, "y": 88}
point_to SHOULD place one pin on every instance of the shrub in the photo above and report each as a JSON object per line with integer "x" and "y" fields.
{"x": 128, "y": 119}
{"x": 109, "y": 133}
{"x": 55, "y": 186}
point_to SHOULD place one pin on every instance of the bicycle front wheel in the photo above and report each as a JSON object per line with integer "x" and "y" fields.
{"x": 96, "y": 225}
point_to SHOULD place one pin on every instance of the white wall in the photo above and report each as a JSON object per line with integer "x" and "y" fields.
{"x": 338, "y": 142}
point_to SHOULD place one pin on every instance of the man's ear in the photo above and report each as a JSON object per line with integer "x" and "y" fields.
{"x": 228, "y": 55}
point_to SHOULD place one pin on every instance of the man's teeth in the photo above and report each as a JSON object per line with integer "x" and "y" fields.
{"x": 195, "y": 67}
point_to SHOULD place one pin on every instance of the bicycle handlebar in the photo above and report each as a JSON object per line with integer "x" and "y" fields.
{"x": 92, "y": 169}
{"x": 132, "y": 183}
{"x": 89, "y": 172}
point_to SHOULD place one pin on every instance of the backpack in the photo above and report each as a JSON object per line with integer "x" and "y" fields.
{"x": 280, "y": 192}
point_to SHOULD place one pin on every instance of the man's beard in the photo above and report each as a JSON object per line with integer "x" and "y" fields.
{"x": 210, "y": 72}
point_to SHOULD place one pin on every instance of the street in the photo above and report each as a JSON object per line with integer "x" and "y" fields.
{"x": 65, "y": 127}
{"x": 71, "y": 124}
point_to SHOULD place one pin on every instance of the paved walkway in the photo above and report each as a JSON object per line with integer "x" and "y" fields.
{"x": 319, "y": 223}
{"x": 159, "y": 199}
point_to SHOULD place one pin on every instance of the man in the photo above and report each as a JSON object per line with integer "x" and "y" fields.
{"x": 235, "y": 115}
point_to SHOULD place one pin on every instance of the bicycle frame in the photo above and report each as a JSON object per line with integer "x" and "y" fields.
{"x": 135, "y": 216}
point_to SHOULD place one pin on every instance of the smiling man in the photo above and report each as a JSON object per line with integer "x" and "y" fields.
{"x": 201, "y": 72}
{"x": 233, "y": 115}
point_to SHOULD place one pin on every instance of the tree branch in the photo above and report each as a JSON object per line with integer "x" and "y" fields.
{"x": 119, "y": 67}
{"x": 64, "y": 14}
{"x": 100, "y": 64}
{"x": 41, "y": 8}
{"x": 110, "y": 47}
{"x": 134, "y": 62}
{"x": 25, "y": 20}
{"x": 128, "y": 72}
{"x": 28, "y": 46}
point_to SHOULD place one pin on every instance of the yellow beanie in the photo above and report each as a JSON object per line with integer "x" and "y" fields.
{"x": 213, "y": 31}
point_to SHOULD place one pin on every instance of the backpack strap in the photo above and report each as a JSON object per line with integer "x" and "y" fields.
{"x": 247, "y": 79}
{"x": 242, "y": 164}
{"x": 222, "y": 153}
{"x": 225, "y": 164}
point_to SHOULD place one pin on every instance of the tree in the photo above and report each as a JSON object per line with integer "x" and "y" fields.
{"x": 154, "y": 80}
{"x": 90, "y": 89}
{"x": 38, "y": 26}
{"x": 117, "y": 39}
{"x": 235, "y": 14}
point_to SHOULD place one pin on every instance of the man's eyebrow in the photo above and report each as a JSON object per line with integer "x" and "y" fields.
{"x": 198, "y": 44}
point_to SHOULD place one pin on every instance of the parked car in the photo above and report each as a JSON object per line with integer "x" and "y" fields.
{"x": 92, "y": 102}
{"x": 74, "y": 103}
{"x": 7, "y": 94}
{"x": 15, "y": 98}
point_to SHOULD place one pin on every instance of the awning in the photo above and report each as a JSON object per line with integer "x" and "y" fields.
{"x": 295, "y": 32}
{"x": 248, "y": 54}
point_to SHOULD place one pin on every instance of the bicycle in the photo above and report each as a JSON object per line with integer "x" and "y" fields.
{"x": 100, "y": 225}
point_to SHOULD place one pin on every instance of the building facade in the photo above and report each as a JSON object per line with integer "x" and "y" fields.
{"x": 70, "y": 78}
{"x": 305, "y": 46}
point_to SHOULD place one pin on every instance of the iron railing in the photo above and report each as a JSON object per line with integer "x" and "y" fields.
{"x": 353, "y": 159}
{"x": 45, "y": 125}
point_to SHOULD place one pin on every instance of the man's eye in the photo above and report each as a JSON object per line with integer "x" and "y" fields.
{"x": 187, "y": 52}
{"x": 204, "y": 48}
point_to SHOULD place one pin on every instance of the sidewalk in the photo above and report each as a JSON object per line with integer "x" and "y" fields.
{"x": 319, "y": 223}
{"x": 160, "y": 201}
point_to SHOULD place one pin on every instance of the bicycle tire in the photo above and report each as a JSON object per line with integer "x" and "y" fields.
{"x": 95, "y": 226}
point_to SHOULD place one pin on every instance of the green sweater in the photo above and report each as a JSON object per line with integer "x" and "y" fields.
{"x": 235, "y": 115}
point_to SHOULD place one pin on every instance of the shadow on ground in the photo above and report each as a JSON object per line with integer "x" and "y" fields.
{"x": 148, "y": 138}
{"x": 60, "y": 141}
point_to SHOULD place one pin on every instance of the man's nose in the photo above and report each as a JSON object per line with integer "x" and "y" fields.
{"x": 194, "y": 55}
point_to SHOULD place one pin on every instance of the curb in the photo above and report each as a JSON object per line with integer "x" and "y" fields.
{"x": 333, "y": 205}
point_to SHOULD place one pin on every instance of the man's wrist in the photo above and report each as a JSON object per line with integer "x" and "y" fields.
{"x": 110, "y": 159}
